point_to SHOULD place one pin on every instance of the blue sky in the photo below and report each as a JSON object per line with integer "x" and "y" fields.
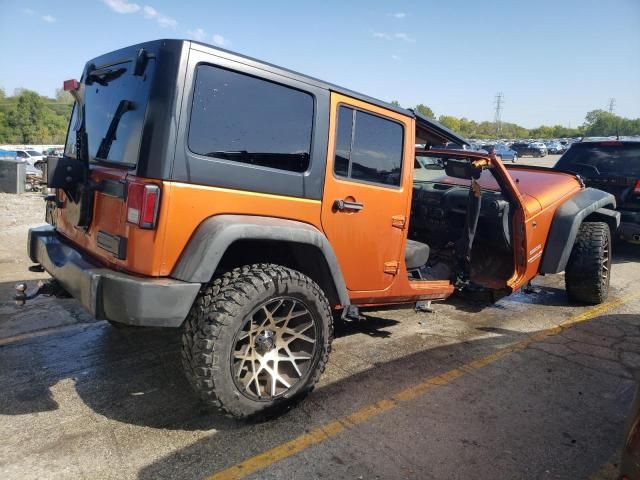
{"x": 553, "y": 60}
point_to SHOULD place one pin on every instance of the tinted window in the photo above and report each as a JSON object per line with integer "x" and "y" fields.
{"x": 376, "y": 148}
{"x": 601, "y": 159}
{"x": 115, "y": 107}
{"x": 245, "y": 119}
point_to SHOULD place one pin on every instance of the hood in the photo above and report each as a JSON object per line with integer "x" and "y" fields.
{"x": 539, "y": 187}
{"x": 546, "y": 185}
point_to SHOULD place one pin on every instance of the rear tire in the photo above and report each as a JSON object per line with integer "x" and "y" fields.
{"x": 514, "y": 159}
{"x": 257, "y": 339}
{"x": 588, "y": 271}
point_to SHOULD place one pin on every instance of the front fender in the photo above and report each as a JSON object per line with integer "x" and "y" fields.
{"x": 213, "y": 237}
{"x": 566, "y": 223}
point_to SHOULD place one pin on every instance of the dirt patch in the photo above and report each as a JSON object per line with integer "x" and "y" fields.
{"x": 18, "y": 213}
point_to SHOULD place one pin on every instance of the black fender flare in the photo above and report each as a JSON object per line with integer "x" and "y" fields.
{"x": 214, "y": 235}
{"x": 589, "y": 204}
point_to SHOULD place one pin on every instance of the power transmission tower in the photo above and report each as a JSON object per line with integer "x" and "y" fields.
{"x": 498, "y": 116}
{"x": 612, "y": 104}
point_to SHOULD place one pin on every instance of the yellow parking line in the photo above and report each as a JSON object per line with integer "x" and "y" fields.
{"x": 333, "y": 428}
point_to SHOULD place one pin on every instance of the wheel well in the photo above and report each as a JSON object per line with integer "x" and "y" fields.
{"x": 302, "y": 257}
{"x": 599, "y": 217}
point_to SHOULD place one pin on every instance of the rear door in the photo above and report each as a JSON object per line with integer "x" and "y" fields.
{"x": 115, "y": 104}
{"x": 366, "y": 197}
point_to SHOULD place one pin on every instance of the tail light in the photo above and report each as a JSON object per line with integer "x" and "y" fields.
{"x": 143, "y": 201}
{"x": 636, "y": 189}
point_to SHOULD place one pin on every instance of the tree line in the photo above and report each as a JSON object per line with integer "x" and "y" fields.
{"x": 597, "y": 123}
{"x": 29, "y": 118}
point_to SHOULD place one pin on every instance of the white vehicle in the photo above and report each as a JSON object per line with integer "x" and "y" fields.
{"x": 31, "y": 156}
{"x": 540, "y": 145}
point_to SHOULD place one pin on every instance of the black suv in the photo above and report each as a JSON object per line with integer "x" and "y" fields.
{"x": 523, "y": 149}
{"x": 613, "y": 166}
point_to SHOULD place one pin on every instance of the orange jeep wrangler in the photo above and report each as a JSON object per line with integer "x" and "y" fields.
{"x": 248, "y": 204}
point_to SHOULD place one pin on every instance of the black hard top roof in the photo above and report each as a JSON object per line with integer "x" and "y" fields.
{"x": 427, "y": 131}
{"x": 429, "y": 128}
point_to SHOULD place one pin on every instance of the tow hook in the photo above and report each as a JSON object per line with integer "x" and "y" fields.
{"x": 50, "y": 287}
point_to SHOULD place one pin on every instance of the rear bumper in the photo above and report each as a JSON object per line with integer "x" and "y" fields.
{"x": 106, "y": 293}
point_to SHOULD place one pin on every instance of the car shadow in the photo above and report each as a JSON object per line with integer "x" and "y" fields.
{"x": 372, "y": 385}
{"x": 133, "y": 375}
{"x": 539, "y": 295}
{"x": 369, "y": 325}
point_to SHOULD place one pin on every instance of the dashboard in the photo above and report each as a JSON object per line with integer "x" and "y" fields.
{"x": 438, "y": 211}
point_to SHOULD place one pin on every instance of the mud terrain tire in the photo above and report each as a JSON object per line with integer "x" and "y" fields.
{"x": 588, "y": 270}
{"x": 233, "y": 309}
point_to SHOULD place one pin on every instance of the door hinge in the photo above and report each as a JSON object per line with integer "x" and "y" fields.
{"x": 391, "y": 267}
{"x": 398, "y": 221}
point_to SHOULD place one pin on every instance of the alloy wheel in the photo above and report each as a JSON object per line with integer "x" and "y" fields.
{"x": 274, "y": 349}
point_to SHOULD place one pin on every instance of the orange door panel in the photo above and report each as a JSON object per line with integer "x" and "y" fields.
{"x": 366, "y": 221}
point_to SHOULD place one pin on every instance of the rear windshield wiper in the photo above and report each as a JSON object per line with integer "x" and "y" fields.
{"x": 105, "y": 145}
{"x": 592, "y": 167}
{"x": 104, "y": 76}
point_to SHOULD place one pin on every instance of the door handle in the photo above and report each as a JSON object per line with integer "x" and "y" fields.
{"x": 344, "y": 205}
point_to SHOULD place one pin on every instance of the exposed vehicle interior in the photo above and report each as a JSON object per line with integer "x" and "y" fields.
{"x": 461, "y": 224}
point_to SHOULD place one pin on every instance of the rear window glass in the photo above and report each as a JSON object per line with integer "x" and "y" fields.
{"x": 597, "y": 159}
{"x": 249, "y": 120}
{"x": 115, "y": 107}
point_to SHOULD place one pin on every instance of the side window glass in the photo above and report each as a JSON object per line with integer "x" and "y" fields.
{"x": 249, "y": 120}
{"x": 368, "y": 147}
{"x": 376, "y": 155}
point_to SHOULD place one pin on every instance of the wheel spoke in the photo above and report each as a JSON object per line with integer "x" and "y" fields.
{"x": 287, "y": 358}
{"x": 298, "y": 334}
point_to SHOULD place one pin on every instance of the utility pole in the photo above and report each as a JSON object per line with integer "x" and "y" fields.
{"x": 612, "y": 105}
{"x": 498, "y": 116}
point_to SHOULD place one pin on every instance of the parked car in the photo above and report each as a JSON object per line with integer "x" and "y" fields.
{"x": 249, "y": 226}
{"x": 505, "y": 153}
{"x": 554, "y": 147}
{"x": 453, "y": 146}
{"x": 531, "y": 149}
{"x": 31, "y": 156}
{"x": 612, "y": 166}
{"x": 55, "y": 151}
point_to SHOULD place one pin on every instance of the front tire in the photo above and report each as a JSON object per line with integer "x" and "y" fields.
{"x": 514, "y": 159}
{"x": 257, "y": 339}
{"x": 588, "y": 271}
